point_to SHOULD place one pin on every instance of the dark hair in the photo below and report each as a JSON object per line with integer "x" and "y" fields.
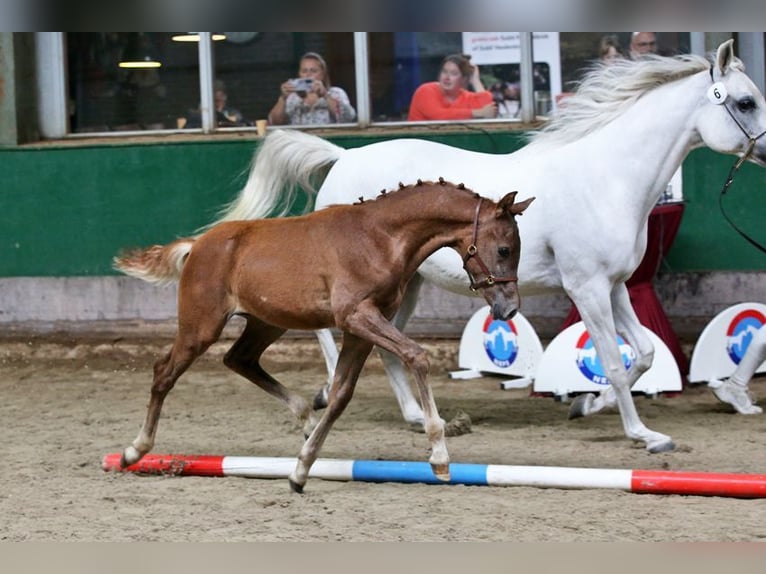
{"x": 322, "y": 64}
{"x": 609, "y": 41}
{"x": 462, "y": 61}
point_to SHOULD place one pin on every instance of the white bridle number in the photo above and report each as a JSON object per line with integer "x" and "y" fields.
{"x": 717, "y": 93}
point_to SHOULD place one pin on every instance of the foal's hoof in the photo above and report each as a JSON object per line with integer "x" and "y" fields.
{"x": 580, "y": 406}
{"x": 295, "y": 487}
{"x": 129, "y": 457}
{"x": 666, "y": 446}
{"x": 441, "y": 471}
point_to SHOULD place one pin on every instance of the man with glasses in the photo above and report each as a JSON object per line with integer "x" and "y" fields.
{"x": 642, "y": 43}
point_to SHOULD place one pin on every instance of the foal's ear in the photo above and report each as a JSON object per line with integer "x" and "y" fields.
{"x": 507, "y": 205}
{"x": 725, "y": 56}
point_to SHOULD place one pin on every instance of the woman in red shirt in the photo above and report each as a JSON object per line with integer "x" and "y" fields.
{"x": 448, "y": 99}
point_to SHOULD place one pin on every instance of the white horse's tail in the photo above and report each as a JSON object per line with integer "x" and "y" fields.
{"x": 160, "y": 264}
{"x": 286, "y": 162}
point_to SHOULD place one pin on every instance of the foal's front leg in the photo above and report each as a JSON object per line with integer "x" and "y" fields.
{"x": 370, "y": 324}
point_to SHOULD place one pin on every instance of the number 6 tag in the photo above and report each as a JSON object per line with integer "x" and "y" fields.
{"x": 717, "y": 93}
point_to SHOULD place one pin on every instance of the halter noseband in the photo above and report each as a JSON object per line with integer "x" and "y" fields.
{"x": 734, "y": 168}
{"x": 473, "y": 253}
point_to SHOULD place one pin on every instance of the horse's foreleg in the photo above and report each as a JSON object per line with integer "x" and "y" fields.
{"x": 353, "y": 354}
{"x": 398, "y": 376}
{"x": 370, "y": 324}
{"x": 627, "y": 325}
{"x": 244, "y": 359}
{"x": 596, "y": 312}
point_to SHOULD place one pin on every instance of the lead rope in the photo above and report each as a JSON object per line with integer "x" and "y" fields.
{"x": 730, "y": 178}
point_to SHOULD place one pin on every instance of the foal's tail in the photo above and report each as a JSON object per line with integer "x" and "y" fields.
{"x": 286, "y": 162}
{"x": 160, "y": 264}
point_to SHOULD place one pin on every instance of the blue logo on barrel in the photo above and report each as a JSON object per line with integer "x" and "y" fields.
{"x": 741, "y": 331}
{"x": 589, "y": 363}
{"x": 500, "y": 341}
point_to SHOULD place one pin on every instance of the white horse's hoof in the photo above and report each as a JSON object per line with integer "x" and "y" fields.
{"x": 581, "y": 406}
{"x": 295, "y": 487}
{"x": 665, "y": 445}
{"x": 735, "y": 395}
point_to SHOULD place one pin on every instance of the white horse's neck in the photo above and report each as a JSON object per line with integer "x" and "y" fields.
{"x": 648, "y": 143}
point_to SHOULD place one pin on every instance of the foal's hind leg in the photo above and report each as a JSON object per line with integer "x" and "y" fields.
{"x": 351, "y": 359}
{"x": 191, "y": 341}
{"x": 244, "y": 356}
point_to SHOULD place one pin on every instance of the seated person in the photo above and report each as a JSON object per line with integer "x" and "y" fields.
{"x": 311, "y": 99}
{"x": 226, "y": 116}
{"x": 448, "y": 98}
{"x": 507, "y": 96}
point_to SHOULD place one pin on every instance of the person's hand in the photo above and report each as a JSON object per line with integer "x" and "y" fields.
{"x": 488, "y": 111}
{"x": 286, "y": 88}
{"x": 318, "y": 88}
{"x": 474, "y": 73}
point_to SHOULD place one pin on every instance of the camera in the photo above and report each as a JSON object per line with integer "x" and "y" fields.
{"x": 302, "y": 84}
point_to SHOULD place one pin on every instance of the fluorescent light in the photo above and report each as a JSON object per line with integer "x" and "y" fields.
{"x": 194, "y": 37}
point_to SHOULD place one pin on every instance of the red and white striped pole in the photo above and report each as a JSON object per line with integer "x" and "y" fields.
{"x": 639, "y": 481}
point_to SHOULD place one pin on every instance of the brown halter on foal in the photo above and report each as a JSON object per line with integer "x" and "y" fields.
{"x": 248, "y": 268}
{"x": 472, "y": 253}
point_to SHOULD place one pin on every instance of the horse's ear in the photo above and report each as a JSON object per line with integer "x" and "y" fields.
{"x": 725, "y": 56}
{"x": 507, "y": 205}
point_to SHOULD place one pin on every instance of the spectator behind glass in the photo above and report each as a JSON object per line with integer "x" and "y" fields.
{"x": 609, "y": 49}
{"x": 642, "y": 43}
{"x": 319, "y": 103}
{"x": 448, "y": 98}
{"x": 225, "y": 114}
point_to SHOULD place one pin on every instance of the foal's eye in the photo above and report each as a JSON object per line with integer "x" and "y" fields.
{"x": 503, "y": 251}
{"x": 746, "y": 104}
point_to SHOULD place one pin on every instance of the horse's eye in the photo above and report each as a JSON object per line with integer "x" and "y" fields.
{"x": 746, "y": 104}
{"x": 503, "y": 251}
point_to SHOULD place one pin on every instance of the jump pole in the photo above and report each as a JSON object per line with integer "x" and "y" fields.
{"x": 637, "y": 481}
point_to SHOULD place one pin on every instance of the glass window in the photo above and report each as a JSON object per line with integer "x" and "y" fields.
{"x": 402, "y": 63}
{"x": 249, "y": 75}
{"x": 580, "y": 49}
{"x": 248, "y": 69}
{"x": 104, "y": 96}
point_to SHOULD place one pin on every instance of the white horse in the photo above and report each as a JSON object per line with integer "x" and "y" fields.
{"x": 597, "y": 170}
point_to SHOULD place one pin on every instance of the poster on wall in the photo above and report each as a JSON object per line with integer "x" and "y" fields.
{"x": 498, "y": 55}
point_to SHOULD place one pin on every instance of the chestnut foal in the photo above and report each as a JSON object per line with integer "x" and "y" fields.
{"x": 345, "y": 266}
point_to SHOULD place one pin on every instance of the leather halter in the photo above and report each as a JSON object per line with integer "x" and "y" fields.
{"x": 734, "y": 168}
{"x": 473, "y": 253}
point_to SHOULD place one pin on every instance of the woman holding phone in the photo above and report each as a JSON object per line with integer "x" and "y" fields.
{"x": 310, "y": 99}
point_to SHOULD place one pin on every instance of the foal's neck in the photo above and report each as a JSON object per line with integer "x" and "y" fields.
{"x": 430, "y": 216}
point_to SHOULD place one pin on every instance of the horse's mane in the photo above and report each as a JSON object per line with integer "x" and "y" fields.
{"x": 405, "y": 189}
{"x": 608, "y": 89}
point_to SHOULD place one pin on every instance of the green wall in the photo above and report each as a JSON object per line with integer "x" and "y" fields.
{"x": 67, "y": 210}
